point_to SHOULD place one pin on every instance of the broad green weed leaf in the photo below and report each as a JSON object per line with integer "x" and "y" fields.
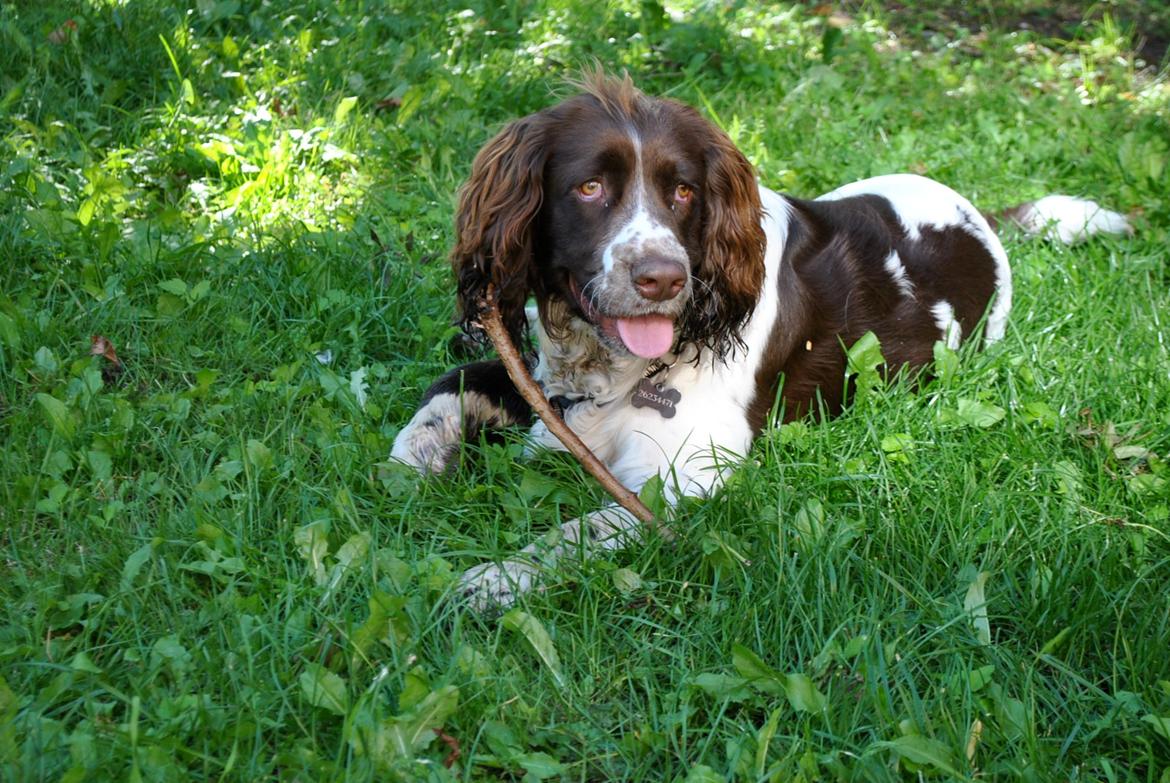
{"x": 975, "y": 413}
{"x": 200, "y": 290}
{"x": 259, "y": 455}
{"x": 809, "y": 521}
{"x": 763, "y": 740}
{"x": 803, "y": 694}
{"x": 9, "y": 332}
{"x": 85, "y": 211}
{"x": 322, "y": 688}
{"x": 210, "y": 490}
{"x": 313, "y": 544}
{"x": 388, "y": 741}
{"x": 795, "y": 434}
{"x": 387, "y": 624}
{"x": 898, "y": 441}
{"x": 1055, "y": 642}
{"x": 865, "y": 355}
{"x": 862, "y": 359}
{"x": 58, "y": 415}
{"x": 428, "y": 715}
{"x": 927, "y": 751}
{"x": 1145, "y": 484}
{"x": 174, "y": 286}
{"x": 759, "y": 674}
{"x": 977, "y": 679}
{"x": 946, "y": 361}
{"x": 83, "y": 663}
{"x": 535, "y": 486}
{"x": 1037, "y": 412}
{"x": 51, "y": 503}
{"x": 1161, "y": 724}
{"x": 1132, "y": 452}
{"x": 704, "y": 774}
{"x": 100, "y": 464}
{"x": 215, "y": 565}
{"x": 854, "y": 646}
{"x": 1068, "y": 478}
{"x": 501, "y": 740}
{"x": 722, "y": 549}
{"x": 168, "y": 305}
{"x": 134, "y": 564}
{"x": 344, "y": 107}
{"x": 171, "y": 652}
{"x": 187, "y": 92}
{"x": 654, "y": 496}
{"x": 540, "y": 766}
{"x": 228, "y": 469}
{"x": 722, "y": 686}
{"x": 416, "y": 687}
{"x": 627, "y": 581}
{"x": 9, "y": 703}
{"x": 531, "y": 629}
{"x": 46, "y": 360}
{"x": 351, "y": 554}
{"x": 1010, "y": 712}
{"x": 411, "y": 100}
{"x": 472, "y": 663}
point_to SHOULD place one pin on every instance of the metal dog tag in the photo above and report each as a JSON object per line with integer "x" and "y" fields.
{"x": 660, "y": 397}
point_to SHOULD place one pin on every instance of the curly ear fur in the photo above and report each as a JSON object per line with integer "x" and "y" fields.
{"x": 731, "y": 273}
{"x": 493, "y": 224}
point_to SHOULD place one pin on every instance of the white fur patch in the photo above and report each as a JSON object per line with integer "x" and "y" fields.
{"x": 944, "y": 317}
{"x": 497, "y": 585}
{"x": 434, "y": 434}
{"x": 897, "y": 272}
{"x": 919, "y": 202}
{"x": 1069, "y": 220}
{"x": 641, "y": 229}
{"x": 489, "y": 586}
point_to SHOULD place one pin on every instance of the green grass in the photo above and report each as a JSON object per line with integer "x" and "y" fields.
{"x": 209, "y": 573}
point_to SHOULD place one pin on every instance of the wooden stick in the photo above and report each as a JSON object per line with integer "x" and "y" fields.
{"x": 493, "y": 324}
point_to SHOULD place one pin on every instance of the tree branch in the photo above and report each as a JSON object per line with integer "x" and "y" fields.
{"x": 493, "y": 324}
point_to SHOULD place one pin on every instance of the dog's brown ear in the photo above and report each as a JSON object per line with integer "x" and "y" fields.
{"x": 731, "y": 273}
{"x": 494, "y": 222}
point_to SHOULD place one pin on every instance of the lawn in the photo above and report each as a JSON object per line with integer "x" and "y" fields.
{"x": 223, "y": 226}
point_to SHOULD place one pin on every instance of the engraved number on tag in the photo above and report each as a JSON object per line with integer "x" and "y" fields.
{"x": 657, "y": 396}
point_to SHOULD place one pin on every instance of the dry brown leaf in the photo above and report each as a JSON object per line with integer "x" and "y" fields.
{"x": 451, "y": 743}
{"x": 973, "y": 739}
{"x": 101, "y": 346}
{"x": 63, "y": 33}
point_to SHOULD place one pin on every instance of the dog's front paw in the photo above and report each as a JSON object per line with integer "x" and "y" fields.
{"x": 430, "y": 442}
{"x": 494, "y": 586}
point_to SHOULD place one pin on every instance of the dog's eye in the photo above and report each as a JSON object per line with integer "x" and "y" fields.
{"x": 589, "y": 190}
{"x": 682, "y": 193}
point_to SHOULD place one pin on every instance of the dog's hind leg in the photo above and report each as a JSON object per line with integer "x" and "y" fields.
{"x": 454, "y": 409}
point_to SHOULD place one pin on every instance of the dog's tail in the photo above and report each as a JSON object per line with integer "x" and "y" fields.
{"x": 1065, "y": 219}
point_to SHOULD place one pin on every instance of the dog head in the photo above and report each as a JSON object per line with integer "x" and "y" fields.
{"x": 633, "y": 213}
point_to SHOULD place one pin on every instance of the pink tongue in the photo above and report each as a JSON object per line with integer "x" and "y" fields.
{"x": 648, "y": 336}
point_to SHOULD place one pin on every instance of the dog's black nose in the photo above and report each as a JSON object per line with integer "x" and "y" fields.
{"x": 659, "y": 279}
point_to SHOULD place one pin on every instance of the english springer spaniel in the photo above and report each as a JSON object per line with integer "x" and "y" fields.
{"x": 677, "y": 297}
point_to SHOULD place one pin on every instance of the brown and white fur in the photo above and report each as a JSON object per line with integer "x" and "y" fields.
{"x": 647, "y": 242}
